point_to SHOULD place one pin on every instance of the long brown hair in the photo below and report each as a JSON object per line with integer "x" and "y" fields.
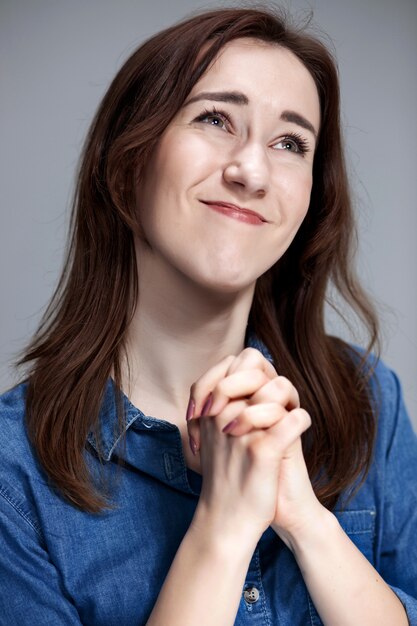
{"x": 81, "y": 338}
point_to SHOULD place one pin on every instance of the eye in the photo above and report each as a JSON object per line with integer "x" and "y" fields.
{"x": 293, "y": 143}
{"x": 214, "y": 118}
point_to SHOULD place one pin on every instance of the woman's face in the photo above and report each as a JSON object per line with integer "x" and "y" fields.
{"x": 242, "y": 144}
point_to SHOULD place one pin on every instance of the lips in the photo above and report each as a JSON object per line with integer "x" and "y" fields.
{"x": 236, "y": 211}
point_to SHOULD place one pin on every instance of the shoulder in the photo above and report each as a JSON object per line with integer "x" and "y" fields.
{"x": 18, "y": 463}
{"x": 12, "y": 415}
{"x": 395, "y": 441}
{"x": 383, "y": 383}
{"x": 395, "y": 436}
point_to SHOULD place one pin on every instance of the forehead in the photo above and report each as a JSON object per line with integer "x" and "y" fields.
{"x": 268, "y": 74}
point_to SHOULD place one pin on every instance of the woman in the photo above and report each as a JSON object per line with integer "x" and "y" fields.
{"x": 211, "y": 213}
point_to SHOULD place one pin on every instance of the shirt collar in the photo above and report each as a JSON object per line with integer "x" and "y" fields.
{"x": 110, "y": 433}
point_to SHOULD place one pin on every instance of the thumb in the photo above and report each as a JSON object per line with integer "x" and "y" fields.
{"x": 194, "y": 435}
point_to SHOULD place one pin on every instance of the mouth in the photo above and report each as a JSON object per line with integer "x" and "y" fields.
{"x": 236, "y": 212}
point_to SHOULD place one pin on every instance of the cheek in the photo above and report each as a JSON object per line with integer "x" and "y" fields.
{"x": 296, "y": 192}
{"x": 305, "y": 195}
{"x": 183, "y": 159}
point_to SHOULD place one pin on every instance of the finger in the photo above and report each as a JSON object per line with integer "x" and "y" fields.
{"x": 284, "y": 433}
{"x": 250, "y": 359}
{"x": 234, "y": 409}
{"x": 280, "y": 390}
{"x": 269, "y": 447}
{"x": 241, "y": 384}
{"x": 194, "y": 435}
{"x": 254, "y": 417}
{"x": 202, "y": 387}
{"x": 301, "y": 420}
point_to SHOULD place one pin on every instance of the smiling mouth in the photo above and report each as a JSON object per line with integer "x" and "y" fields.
{"x": 236, "y": 212}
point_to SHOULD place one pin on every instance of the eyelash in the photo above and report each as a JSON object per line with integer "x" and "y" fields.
{"x": 301, "y": 144}
{"x": 214, "y": 113}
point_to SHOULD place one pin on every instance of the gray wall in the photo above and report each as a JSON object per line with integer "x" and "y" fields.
{"x": 57, "y": 57}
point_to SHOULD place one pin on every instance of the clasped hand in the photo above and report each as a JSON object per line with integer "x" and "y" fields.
{"x": 246, "y": 423}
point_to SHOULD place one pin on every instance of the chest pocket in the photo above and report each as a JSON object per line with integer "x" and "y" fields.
{"x": 360, "y": 528}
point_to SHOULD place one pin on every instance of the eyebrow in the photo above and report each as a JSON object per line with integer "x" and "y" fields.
{"x": 233, "y": 97}
{"x": 300, "y": 120}
{"x": 236, "y": 97}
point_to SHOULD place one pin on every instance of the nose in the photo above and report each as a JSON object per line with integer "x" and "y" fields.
{"x": 248, "y": 167}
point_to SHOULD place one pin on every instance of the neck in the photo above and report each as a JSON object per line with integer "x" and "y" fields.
{"x": 178, "y": 332}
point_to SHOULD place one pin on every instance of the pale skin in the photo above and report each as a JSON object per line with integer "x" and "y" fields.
{"x": 197, "y": 273}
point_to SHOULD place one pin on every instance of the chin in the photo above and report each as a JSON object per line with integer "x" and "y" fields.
{"x": 226, "y": 286}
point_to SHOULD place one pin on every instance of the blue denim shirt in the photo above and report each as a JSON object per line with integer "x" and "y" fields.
{"x": 61, "y": 566}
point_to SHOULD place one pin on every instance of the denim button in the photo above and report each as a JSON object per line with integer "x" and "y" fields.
{"x": 251, "y": 595}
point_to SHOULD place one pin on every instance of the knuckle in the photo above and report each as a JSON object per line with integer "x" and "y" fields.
{"x": 246, "y": 415}
{"x": 258, "y": 377}
{"x": 286, "y": 388}
{"x": 251, "y": 354}
{"x": 276, "y": 385}
{"x": 300, "y": 420}
{"x": 220, "y": 387}
{"x": 250, "y": 351}
{"x": 284, "y": 383}
{"x": 306, "y": 418}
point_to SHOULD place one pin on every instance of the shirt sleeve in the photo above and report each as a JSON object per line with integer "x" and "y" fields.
{"x": 30, "y": 589}
{"x": 398, "y": 550}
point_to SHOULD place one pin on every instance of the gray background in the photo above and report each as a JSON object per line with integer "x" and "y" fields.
{"x": 57, "y": 58}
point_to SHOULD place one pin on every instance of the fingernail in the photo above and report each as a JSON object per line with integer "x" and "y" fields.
{"x": 190, "y": 409}
{"x": 207, "y": 404}
{"x": 193, "y": 445}
{"x": 230, "y": 426}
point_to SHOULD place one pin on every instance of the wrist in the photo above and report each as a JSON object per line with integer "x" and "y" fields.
{"x": 310, "y": 533}
{"x": 225, "y": 539}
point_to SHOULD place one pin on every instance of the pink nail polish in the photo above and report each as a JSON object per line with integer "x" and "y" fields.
{"x": 190, "y": 409}
{"x": 230, "y": 426}
{"x": 193, "y": 445}
{"x": 207, "y": 404}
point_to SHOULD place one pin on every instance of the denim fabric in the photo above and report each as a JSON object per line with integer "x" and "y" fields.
{"x": 61, "y": 566}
